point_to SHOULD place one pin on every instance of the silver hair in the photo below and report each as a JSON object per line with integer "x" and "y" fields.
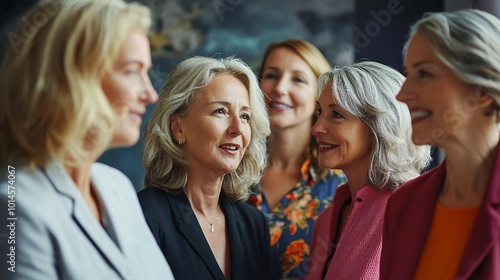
{"x": 367, "y": 90}
{"x": 468, "y": 42}
{"x": 163, "y": 158}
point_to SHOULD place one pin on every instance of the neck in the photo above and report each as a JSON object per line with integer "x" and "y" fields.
{"x": 288, "y": 147}
{"x": 357, "y": 176}
{"x": 204, "y": 197}
{"x": 81, "y": 177}
{"x": 469, "y": 160}
{"x": 356, "y": 183}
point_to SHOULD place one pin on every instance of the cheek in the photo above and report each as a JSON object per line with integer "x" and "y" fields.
{"x": 247, "y": 136}
{"x": 117, "y": 94}
{"x": 306, "y": 99}
{"x": 266, "y": 86}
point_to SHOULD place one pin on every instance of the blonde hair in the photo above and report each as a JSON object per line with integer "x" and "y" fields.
{"x": 163, "y": 158}
{"x": 52, "y": 106}
{"x": 367, "y": 90}
{"x": 313, "y": 57}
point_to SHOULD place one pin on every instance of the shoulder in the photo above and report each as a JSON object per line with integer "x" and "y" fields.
{"x": 109, "y": 173}
{"x": 247, "y": 211}
{"x": 416, "y": 187}
{"x": 33, "y": 192}
{"x": 156, "y": 202}
{"x": 325, "y": 216}
{"x": 153, "y": 197}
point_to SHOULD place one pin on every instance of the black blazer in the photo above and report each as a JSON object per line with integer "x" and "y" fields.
{"x": 180, "y": 237}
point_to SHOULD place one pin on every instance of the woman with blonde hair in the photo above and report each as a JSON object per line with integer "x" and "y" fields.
{"x": 204, "y": 149}
{"x": 294, "y": 189}
{"x": 76, "y": 86}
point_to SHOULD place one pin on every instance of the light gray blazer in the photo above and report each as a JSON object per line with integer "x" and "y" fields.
{"x": 56, "y": 236}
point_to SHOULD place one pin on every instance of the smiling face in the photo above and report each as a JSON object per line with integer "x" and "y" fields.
{"x": 128, "y": 88}
{"x": 216, "y": 131}
{"x": 290, "y": 86}
{"x": 345, "y": 142}
{"x": 441, "y": 104}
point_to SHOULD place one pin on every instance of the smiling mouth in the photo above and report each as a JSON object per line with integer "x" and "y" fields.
{"x": 279, "y": 106}
{"x": 326, "y": 147}
{"x": 415, "y": 115}
{"x": 229, "y": 147}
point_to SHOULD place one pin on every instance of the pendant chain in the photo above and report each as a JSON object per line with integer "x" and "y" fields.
{"x": 211, "y": 223}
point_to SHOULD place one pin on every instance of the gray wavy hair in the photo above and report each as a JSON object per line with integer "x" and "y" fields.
{"x": 468, "y": 42}
{"x": 367, "y": 90}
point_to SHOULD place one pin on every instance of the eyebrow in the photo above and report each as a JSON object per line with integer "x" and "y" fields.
{"x": 294, "y": 71}
{"x": 332, "y": 105}
{"x": 420, "y": 63}
{"x": 247, "y": 108}
{"x": 136, "y": 61}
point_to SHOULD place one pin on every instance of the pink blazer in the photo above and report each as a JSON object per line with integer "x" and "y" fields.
{"x": 357, "y": 256}
{"x": 408, "y": 217}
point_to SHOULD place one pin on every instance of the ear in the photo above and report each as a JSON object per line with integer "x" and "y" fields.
{"x": 176, "y": 127}
{"x": 484, "y": 99}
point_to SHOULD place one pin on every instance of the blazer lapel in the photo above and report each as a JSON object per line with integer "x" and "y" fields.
{"x": 83, "y": 218}
{"x": 486, "y": 230}
{"x": 190, "y": 228}
{"x": 117, "y": 225}
{"x": 417, "y": 219}
{"x": 236, "y": 230}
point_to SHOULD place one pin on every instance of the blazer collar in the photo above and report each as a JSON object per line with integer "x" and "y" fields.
{"x": 190, "y": 228}
{"x": 81, "y": 215}
{"x": 486, "y": 229}
{"x": 413, "y": 233}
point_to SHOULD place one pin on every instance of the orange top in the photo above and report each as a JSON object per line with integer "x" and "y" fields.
{"x": 448, "y": 236}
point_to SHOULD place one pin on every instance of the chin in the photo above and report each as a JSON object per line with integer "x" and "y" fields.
{"x": 124, "y": 140}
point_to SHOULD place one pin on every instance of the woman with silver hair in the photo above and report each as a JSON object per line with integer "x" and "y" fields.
{"x": 364, "y": 131}
{"x": 444, "y": 224}
{"x": 205, "y": 146}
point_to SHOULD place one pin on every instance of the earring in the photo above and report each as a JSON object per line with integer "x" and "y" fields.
{"x": 181, "y": 141}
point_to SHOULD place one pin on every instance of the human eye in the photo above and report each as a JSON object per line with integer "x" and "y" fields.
{"x": 424, "y": 73}
{"x": 131, "y": 69}
{"x": 220, "y": 111}
{"x": 269, "y": 76}
{"x": 300, "y": 80}
{"x": 318, "y": 111}
{"x": 337, "y": 115}
{"x": 245, "y": 117}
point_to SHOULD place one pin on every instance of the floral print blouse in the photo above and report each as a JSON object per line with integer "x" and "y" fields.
{"x": 291, "y": 221}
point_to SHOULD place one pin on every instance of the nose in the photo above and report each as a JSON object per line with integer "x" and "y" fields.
{"x": 404, "y": 93}
{"x": 148, "y": 94}
{"x": 235, "y": 127}
{"x": 318, "y": 129}
{"x": 281, "y": 86}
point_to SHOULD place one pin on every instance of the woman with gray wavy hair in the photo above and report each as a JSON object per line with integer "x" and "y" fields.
{"x": 205, "y": 146}
{"x": 364, "y": 131}
{"x": 452, "y": 90}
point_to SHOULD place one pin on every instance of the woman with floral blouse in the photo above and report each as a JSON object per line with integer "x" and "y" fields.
{"x": 293, "y": 190}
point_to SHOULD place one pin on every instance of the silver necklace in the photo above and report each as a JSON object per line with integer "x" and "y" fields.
{"x": 211, "y": 223}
